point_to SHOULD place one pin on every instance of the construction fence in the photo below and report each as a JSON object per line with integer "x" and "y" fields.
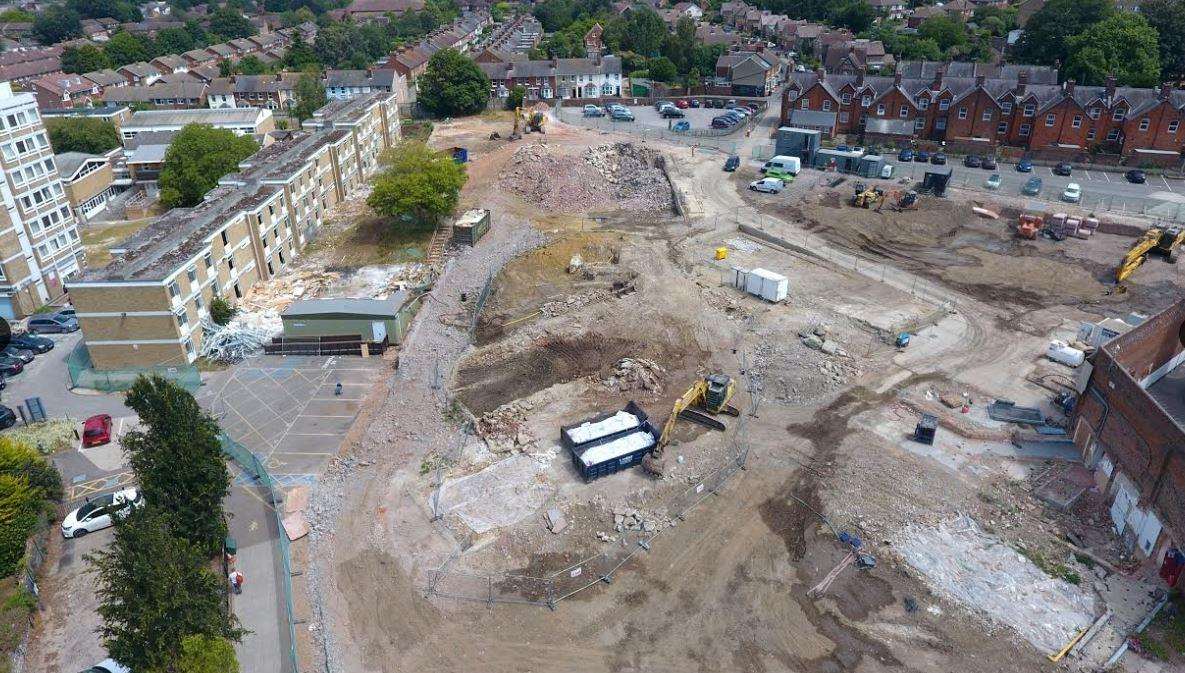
{"x": 83, "y": 374}
{"x": 549, "y": 590}
{"x": 253, "y": 466}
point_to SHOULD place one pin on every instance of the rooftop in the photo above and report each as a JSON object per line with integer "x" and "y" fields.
{"x": 346, "y": 307}
{"x": 219, "y": 117}
{"x": 69, "y": 162}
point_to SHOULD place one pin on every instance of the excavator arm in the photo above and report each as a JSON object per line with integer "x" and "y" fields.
{"x": 689, "y": 399}
{"x": 1137, "y": 255}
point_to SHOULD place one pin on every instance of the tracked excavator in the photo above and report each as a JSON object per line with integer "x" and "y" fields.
{"x": 1165, "y": 242}
{"x": 711, "y": 394}
{"x": 527, "y": 121}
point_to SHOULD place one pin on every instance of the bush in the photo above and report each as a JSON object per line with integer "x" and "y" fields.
{"x": 19, "y": 506}
{"x": 221, "y": 311}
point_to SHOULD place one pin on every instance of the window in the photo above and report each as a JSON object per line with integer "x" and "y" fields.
{"x": 1025, "y": 130}
{"x": 1050, "y": 119}
{"x": 904, "y": 112}
{"x": 880, "y": 109}
{"x": 174, "y": 289}
{"x": 866, "y": 101}
{"x": 238, "y": 292}
{"x": 804, "y": 104}
{"x": 1145, "y": 124}
{"x": 270, "y": 270}
{"x": 1076, "y": 122}
{"x": 1094, "y": 112}
{"x": 1113, "y": 134}
{"x": 986, "y": 116}
{"x": 191, "y": 274}
{"x": 1030, "y": 109}
{"x": 962, "y": 113}
{"x": 230, "y": 262}
{"x": 919, "y": 123}
{"x": 209, "y": 260}
{"x": 198, "y": 303}
{"x": 189, "y": 348}
{"x": 826, "y": 106}
{"x": 1002, "y": 128}
{"x": 940, "y": 124}
{"x": 944, "y": 105}
{"x": 923, "y": 103}
{"x": 845, "y": 98}
{"x": 843, "y": 117}
{"x": 225, "y": 240}
{"x": 1090, "y": 135}
{"x": 1173, "y": 126}
{"x": 1118, "y": 114}
{"x": 281, "y": 255}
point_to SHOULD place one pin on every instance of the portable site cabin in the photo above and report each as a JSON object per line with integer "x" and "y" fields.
{"x": 843, "y": 161}
{"x": 373, "y": 320}
{"x": 609, "y": 443}
{"x": 936, "y": 179}
{"x": 762, "y": 283}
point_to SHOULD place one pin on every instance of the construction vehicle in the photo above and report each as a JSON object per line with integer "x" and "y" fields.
{"x": 1154, "y": 241}
{"x": 527, "y": 121}
{"x": 711, "y": 394}
{"x": 866, "y": 197}
{"x": 1027, "y": 226}
{"x": 903, "y": 201}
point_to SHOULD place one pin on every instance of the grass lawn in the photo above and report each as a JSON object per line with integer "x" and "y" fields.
{"x": 99, "y": 237}
{"x": 371, "y": 240}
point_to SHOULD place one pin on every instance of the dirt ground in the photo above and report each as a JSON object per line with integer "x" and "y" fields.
{"x": 728, "y": 587}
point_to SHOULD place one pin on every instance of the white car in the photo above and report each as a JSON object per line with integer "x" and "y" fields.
{"x": 101, "y": 512}
{"x": 108, "y": 666}
{"x": 1073, "y": 193}
{"x": 768, "y": 185}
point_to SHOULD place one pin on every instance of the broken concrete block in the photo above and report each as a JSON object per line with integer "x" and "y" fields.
{"x": 829, "y": 347}
{"x": 556, "y": 521}
{"x": 812, "y": 341}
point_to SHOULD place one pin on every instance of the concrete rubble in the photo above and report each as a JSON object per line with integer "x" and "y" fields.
{"x": 621, "y": 175}
{"x": 574, "y": 302}
{"x": 635, "y": 374}
{"x": 504, "y": 429}
{"x": 631, "y": 519}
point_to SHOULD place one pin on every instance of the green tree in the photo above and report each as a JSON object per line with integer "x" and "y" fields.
{"x": 81, "y": 134}
{"x": 124, "y": 48}
{"x": 643, "y": 31}
{"x": 24, "y": 462}
{"x": 198, "y": 156}
{"x": 515, "y": 99}
{"x": 310, "y": 96}
{"x": 174, "y": 41}
{"x": 203, "y": 654}
{"x": 1046, "y": 35}
{"x": 418, "y": 185}
{"x": 221, "y": 311}
{"x": 87, "y": 58}
{"x": 156, "y": 589}
{"x": 57, "y": 23}
{"x": 944, "y": 30}
{"x": 855, "y": 15}
{"x": 225, "y": 69}
{"x": 230, "y": 24}
{"x": 452, "y": 85}
{"x": 1122, "y": 44}
{"x": 500, "y": 10}
{"x": 300, "y": 56}
{"x": 337, "y": 44}
{"x": 19, "y": 506}
{"x": 14, "y": 15}
{"x": 120, "y": 10}
{"x": 1168, "y": 18}
{"x": 662, "y": 70}
{"x": 250, "y": 65}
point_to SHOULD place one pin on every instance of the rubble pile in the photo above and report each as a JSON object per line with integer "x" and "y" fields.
{"x": 615, "y": 175}
{"x": 243, "y": 337}
{"x": 276, "y": 294}
{"x": 799, "y": 373}
{"x": 574, "y": 302}
{"x": 505, "y": 429}
{"x": 635, "y": 374}
{"x": 631, "y": 519}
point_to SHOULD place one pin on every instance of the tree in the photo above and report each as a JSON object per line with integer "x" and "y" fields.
{"x": 81, "y": 134}
{"x": 19, "y": 506}
{"x": 250, "y": 65}
{"x": 155, "y": 590}
{"x": 24, "y": 462}
{"x": 944, "y": 30}
{"x": 500, "y": 10}
{"x": 515, "y": 99}
{"x": 124, "y": 48}
{"x": 452, "y": 85}
{"x": 203, "y": 654}
{"x": 14, "y": 15}
{"x": 1046, "y": 33}
{"x": 87, "y": 58}
{"x": 662, "y": 70}
{"x": 174, "y": 41}
{"x": 1122, "y": 44}
{"x": 230, "y": 24}
{"x": 197, "y": 157}
{"x": 57, "y": 23}
{"x": 419, "y": 185}
{"x": 856, "y": 15}
{"x": 221, "y": 311}
{"x": 300, "y": 56}
{"x": 120, "y": 10}
{"x": 643, "y": 31}
{"x": 1168, "y": 18}
{"x": 310, "y": 96}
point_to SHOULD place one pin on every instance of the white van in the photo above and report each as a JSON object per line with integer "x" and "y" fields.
{"x": 783, "y": 164}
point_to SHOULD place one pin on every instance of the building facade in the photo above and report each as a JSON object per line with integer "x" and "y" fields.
{"x": 39, "y": 243}
{"x": 148, "y": 306}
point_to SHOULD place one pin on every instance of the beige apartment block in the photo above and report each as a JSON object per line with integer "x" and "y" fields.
{"x": 147, "y": 307}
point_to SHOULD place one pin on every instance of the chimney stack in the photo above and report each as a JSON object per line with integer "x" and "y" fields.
{"x": 979, "y": 80}
{"x": 821, "y": 74}
{"x": 897, "y": 79}
{"x": 1022, "y": 81}
{"x": 936, "y": 85}
{"x": 860, "y": 77}
{"x": 369, "y": 73}
{"x": 1166, "y": 90}
{"x": 1110, "y": 86}
{"x": 1069, "y": 87}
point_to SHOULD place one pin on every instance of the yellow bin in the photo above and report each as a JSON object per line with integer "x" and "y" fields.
{"x": 721, "y": 253}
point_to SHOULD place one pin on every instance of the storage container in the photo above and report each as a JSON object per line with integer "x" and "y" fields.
{"x": 1058, "y": 351}
{"x": 768, "y": 285}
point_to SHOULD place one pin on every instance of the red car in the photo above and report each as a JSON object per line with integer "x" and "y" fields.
{"x": 682, "y": 104}
{"x": 96, "y": 431}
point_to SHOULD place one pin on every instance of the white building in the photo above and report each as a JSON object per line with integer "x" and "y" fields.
{"x": 244, "y": 121}
{"x": 39, "y": 244}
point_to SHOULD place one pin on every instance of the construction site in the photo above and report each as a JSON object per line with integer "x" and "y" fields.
{"x": 654, "y": 420}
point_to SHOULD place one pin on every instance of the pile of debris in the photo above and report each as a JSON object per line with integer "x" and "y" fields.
{"x": 630, "y": 519}
{"x": 817, "y": 338}
{"x": 635, "y": 374}
{"x": 803, "y": 372}
{"x": 277, "y": 293}
{"x": 243, "y": 337}
{"x": 617, "y": 175}
{"x": 574, "y": 302}
{"x": 505, "y": 429}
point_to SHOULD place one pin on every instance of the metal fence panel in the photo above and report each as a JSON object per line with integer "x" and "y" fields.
{"x": 84, "y": 375}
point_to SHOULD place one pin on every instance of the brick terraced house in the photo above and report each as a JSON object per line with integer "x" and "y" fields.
{"x": 974, "y": 105}
{"x": 146, "y": 307}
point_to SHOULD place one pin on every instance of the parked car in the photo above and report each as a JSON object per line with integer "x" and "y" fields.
{"x": 694, "y": 102}
{"x": 1024, "y": 166}
{"x": 905, "y": 155}
{"x": 988, "y": 163}
{"x": 972, "y": 161}
{"x": 659, "y": 105}
{"x": 22, "y": 354}
{"x": 1136, "y": 176}
{"x": 1032, "y": 187}
{"x": 96, "y": 431}
{"x": 32, "y": 342}
{"x": 681, "y": 126}
{"x": 732, "y": 102}
{"x": 52, "y": 324}
{"x": 1063, "y": 168}
{"x": 732, "y": 163}
{"x": 620, "y": 115}
{"x": 593, "y": 111}
{"x": 993, "y": 181}
{"x": 719, "y": 123}
{"x": 921, "y": 157}
{"x": 938, "y": 159}
{"x": 108, "y": 666}
{"x": 768, "y": 185}
{"x": 682, "y": 104}
{"x": 1072, "y": 193}
{"x": 101, "y": 512}
{"x": 10, "y": 366}
{"x": 672, "y": 113}
{"x": 7, "y": 417}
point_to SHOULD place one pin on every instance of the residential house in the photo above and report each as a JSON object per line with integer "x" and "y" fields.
{"x": 594, "y": 43}
{"x": 569, "y": 78}
{"x": 748, "y": 73}
{"x": 371, "y": 10}
{"x": 894, "y": 10}
{"x": 95, "y": 31}
{"x": 106, "y": 79}
{"x": 222, "y": 52}
{"x": 274, "y": 92}
{"x": 689, "y": 10}
{"x": 200, "y": 58}
{"x": 140, "y": 74}
{"x": 24, "y": 72}
{"x": 347, "y": 84}
{"x": 170, "y": 64}
{"x": 848, "y": 58}
{"x": 178, "y": 96}
{"x": 61, "y": 90}
{"x": 956, "y": 9}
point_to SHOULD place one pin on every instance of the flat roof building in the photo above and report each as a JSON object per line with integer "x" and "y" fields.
{"x": 243, "y": 121}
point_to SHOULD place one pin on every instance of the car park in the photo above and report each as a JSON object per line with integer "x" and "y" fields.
{"x": 768, "y": 185}
{"x": 52, "y": 324}
{"x": 7, "y": 417}
{"x": 1032, "y": 187}
{"x": 732, "y": 163}
{"x": 905, "y": 155}
{"x": 101, "y": 512}
{"x": 108, "y": 666}
{"x": 1063, "y": 168}
{"x": 1024, "y": 166}
{"x": 96, "y": 431}
{"x": 1072, "y": 193}
{"x": 922, "y": 157}
{"x": 32, "y": 342}
{"x": 10, "y": 366}
{"x": 621, "y": 115}
{"x": 1136, "y": 176}
{"x": 593, "y": 111}
{"x": 993, "y": 181}
{"x": 988, "y": 163}
{"x": 22, "y": 354}
{"x": 972, "y": 161}
{"x": 939, "y": 159}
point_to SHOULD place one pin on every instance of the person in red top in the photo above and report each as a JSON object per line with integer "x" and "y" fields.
{"x": 236, "y": 581}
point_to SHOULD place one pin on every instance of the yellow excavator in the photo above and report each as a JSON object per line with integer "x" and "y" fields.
{"x": 1158, "y": 241}
{"x": 527, "y": 121}
{"x": 712, "y": 394}
{"x": 867, "y": 197}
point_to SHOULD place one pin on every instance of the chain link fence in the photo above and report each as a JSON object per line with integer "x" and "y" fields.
{"x": 253, "y": 466}
{"x": 83, "y": 374}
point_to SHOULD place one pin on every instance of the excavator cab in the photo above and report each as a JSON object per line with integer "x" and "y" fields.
{"x": 720, "y": 389}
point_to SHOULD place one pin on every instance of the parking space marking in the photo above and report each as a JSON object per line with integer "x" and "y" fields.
{"x": 112, "y": 482}
{"x": 327, "y": 416}
{"x": 311, "y": 434}
{"x": 1166, "y": 183}
{"x": 1105, "y": 175}
{"x": 1087, "y": 174}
